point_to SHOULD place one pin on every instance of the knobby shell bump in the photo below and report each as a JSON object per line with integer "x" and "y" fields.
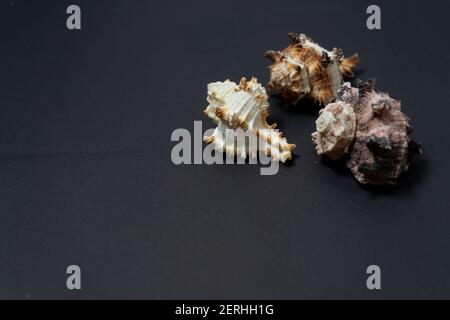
{"x": 243, "y": 106}
{"x": 381, "y": 148}
{"x": 336, "y": 127}
{"x": 305, "y": 69}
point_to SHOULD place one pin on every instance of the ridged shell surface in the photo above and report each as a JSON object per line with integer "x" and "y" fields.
{"x": 243, "y": 106}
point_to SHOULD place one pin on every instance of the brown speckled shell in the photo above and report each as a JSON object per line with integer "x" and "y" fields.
{"x": 304, "y": 69}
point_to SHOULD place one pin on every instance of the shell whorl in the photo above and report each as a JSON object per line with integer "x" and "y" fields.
{"x": 336, "y": 127}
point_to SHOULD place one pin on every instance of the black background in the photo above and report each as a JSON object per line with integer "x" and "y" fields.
{"x": 86, "y": 176}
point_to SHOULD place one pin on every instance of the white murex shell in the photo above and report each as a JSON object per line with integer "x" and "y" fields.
{"x": 244, "y": 106}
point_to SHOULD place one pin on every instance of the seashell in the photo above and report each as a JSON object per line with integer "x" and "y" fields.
{"x": 244, "y": 106}
{"x": 305, "y": 69}
{"x": 381, "y": 147}
{"x": 336, "y": 127}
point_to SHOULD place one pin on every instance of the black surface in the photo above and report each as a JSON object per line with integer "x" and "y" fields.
{"x": 86, "y": 176}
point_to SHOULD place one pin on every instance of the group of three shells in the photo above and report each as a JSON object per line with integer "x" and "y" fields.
{"x": 358, "y": 121}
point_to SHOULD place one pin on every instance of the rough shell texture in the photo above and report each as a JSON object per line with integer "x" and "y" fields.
{"x": 382, "y": 147}
{"x": 336, "y": 127}
{"x": 243, "y": 106}
{"x": 305, "y": 69}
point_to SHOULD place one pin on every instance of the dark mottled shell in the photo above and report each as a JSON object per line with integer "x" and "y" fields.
{"x": 382, "y": 146}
